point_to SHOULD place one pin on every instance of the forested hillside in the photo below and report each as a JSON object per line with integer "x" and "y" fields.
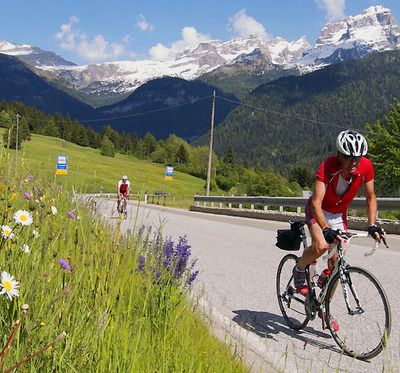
{"x": 293, "y": 121}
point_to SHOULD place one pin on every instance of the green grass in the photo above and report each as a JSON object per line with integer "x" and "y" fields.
{"x": 88, "y": 170}
{"x": 116, "y": 318}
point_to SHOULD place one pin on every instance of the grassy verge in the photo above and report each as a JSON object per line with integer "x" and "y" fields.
{"x": 98, "y": 301}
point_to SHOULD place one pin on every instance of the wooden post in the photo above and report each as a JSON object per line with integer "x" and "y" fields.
{"x": 211, "y": 144}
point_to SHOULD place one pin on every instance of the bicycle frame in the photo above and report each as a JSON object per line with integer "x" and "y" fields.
{"x": 315, "y": 302}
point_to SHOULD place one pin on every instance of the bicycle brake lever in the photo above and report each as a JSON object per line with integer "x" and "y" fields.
{"x": 369, "y": 253}
{"x": 384, "y": 242}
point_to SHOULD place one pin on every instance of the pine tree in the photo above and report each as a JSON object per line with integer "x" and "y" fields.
{"x": 107, "y": 147}
{"x": 384, "y": 152}
{"x": 229, "y": 156}
{"x": 182, "y": 155}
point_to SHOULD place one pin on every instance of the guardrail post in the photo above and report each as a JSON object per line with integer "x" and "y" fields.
{"x": 240, "y": 206}
{"x": 280, "y": 208}
{"x": 230, "y": 205}
{"x": 251, "y": 207}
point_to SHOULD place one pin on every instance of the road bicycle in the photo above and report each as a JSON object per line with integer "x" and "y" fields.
{"x": 351, "y": 300}
{"x": 121, "y": 206}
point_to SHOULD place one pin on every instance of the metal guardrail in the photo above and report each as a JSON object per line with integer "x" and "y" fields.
{"x": 157, "y": 198}
{"x": 384, "y": 204}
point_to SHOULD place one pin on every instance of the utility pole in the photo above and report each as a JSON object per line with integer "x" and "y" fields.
{"x": 211, "y": 145}
{"x": 16, "y": 142}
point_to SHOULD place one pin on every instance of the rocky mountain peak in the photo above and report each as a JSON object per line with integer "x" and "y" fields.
{"x": 375, "y": 27}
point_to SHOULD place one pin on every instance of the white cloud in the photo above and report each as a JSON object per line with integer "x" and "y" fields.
{"x": 334, "y": 8}
{"x": 96, "y": 50}
{"x": 143, "y": 24}
{"x": 243, "y": 26}
{"x": 190, "y": 37}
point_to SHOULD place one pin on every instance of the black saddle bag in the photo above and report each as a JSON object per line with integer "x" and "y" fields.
{"x": 288, "y": 239}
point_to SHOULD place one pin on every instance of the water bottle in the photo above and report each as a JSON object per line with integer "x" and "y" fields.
{"x": 313, "y": 270}
{"x": 323, "y": 277}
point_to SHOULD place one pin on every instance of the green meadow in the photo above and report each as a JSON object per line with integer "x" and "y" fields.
{"x": 88, "y": 171}
{"x": 76, "y": 295}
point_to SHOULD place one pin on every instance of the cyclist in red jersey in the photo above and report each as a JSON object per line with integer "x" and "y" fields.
{"x": 124, "y": 187}
{"x": 338, "y": 180}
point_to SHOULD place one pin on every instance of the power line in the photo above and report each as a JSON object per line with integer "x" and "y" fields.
{"x": 284, "y": 114}
{"x": 313, "y": 121}
{"x": 130, "y": 115}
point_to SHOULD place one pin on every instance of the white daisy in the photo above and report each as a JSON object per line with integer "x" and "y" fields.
{"x": 6, "y": 232}
{"x": 54, "y": 210}
{"x": 25, "y": 248}
{"x": 23, "y": 217}
{"x": 35, "y": 233}
{"x": 9, "y": 285}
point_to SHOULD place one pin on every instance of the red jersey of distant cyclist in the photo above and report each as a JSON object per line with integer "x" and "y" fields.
{"x": 328, "y": 173}
{"x": 122, "y": 187}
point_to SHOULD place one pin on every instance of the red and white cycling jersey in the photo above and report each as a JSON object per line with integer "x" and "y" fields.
{"x": 335, "y": 204}
{"x": 123, "y": 186}
{"x": 328, "y": 173}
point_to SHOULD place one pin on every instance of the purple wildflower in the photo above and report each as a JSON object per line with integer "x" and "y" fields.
{"x": 141, "y": 231}
{"x": 64, "y": 264}
{"x": 27, "y": 195}
{"x": 192, "y": 277}
{"x": 170, "y": 261}
{"x": 142, "y": 263}
{"x": 30, "y": 176}
{"x": 71, "y": 215}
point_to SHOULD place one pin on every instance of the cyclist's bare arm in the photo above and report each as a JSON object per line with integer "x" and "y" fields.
{"x": 316, "y": 203}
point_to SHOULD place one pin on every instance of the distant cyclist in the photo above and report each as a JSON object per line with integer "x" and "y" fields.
{"x": 124, "y": 187}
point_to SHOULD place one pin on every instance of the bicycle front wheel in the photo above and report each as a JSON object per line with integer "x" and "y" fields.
{"x": 291, "y": 303}
{"x": 361, "y": 310}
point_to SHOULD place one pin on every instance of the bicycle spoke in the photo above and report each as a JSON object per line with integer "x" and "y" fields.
{"x": 361, "y": 310}
{"x": 291, "y": 303}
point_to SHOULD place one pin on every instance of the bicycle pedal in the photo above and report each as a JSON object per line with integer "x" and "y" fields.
{"x": 303, "y": 290}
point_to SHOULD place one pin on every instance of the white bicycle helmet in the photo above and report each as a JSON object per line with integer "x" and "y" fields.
{"x": 351, "y": 143}
{"x": 124, "y": 177}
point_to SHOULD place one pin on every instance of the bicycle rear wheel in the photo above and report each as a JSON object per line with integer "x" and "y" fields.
{"x": 364, "y": 327}
{"x": 291, "y": 303}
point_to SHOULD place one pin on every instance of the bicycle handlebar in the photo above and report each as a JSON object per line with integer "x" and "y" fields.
{"x": 348, "y": 237}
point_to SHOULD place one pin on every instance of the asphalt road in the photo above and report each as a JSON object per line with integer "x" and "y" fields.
{"x": 237, "y": 259}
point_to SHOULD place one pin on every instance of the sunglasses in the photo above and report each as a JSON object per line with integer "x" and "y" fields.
{"x": 351, "y": 157}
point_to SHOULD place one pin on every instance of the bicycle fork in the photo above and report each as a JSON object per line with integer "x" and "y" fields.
{"x": 346, "y": 283}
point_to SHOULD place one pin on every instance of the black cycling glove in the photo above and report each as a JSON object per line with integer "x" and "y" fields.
{"x": 372, "y": 229}
{"x": 329, "y": 234}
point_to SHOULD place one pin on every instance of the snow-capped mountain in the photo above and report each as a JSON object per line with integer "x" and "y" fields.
{"x": 35, "y": 56}
{"x": 126, "y": 76}
{"x": 373, "y": 30}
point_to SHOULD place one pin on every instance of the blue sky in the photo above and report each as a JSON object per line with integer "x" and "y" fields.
{"x": 89, "y": 31}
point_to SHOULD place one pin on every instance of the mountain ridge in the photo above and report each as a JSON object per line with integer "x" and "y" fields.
{"x": 375, "y": 29}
